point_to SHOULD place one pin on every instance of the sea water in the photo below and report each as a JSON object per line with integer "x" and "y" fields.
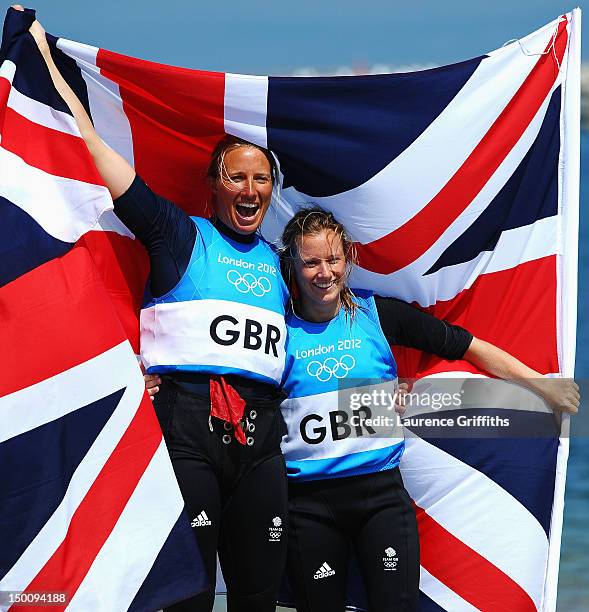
{"x": 573, "y": 586}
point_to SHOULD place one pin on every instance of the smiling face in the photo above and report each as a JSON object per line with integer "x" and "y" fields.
{"x": 320, "y": 270}
{"x": 243, "y": 192}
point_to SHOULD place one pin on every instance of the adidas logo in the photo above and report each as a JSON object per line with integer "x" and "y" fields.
{"x": 324, "y": 572}
{"x": 202, "y": 520}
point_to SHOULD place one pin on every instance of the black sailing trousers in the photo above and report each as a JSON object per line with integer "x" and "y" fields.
{"x": 236, "y": 495}
{"x": 370, "y": 516}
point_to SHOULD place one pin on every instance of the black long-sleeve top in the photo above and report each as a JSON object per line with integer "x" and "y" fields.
{"x": 405, "y": 325}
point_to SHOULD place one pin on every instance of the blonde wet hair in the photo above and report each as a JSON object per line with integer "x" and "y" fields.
{"x": 312, "y": 221}
{"x": 216, "y": 170}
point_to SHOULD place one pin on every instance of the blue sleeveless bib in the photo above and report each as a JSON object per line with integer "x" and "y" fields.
{"x": 225, "y": 316}
{"x": 332, "y": 373}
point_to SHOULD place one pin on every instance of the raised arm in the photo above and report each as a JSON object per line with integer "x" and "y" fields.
{"x": 116, "y": 172}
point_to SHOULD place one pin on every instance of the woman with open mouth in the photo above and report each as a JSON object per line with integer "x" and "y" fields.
{"x": 213, "y": 327}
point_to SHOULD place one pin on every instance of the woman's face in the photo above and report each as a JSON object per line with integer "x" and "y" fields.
{"x": 320, "y": 273}
{"x": 243, "y": 192}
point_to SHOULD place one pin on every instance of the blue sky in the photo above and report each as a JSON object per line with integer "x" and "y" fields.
{"x": 274, "y": 37}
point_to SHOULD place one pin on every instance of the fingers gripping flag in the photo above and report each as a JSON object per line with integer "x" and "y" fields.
{"x": 91, "y": 510}
{"x": 460, "y": 187}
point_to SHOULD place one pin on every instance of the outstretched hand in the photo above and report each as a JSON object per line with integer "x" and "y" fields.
{"x": 561, "y": 393}
{"x": 37, "y": 31}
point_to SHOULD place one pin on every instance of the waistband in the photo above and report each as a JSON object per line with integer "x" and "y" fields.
{"x": 342, "y": 482}
{"x": 250, "y": 390}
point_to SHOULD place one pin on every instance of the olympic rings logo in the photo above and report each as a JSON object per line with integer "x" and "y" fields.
{"x": 249, "y": 283}
{"x": 331, "y": 367}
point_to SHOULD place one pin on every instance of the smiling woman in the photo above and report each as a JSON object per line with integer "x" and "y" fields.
{"x": 215, "y": 335}
{"x": 242, "y": 177}
{"x": 317, "y": 259}
{"x": 345, "y": 489}
{"x": 319, "y": 277}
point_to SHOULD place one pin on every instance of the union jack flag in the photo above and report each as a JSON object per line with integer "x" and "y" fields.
{"x": 459, "y": 185}
{"x": 91, "y": 511}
